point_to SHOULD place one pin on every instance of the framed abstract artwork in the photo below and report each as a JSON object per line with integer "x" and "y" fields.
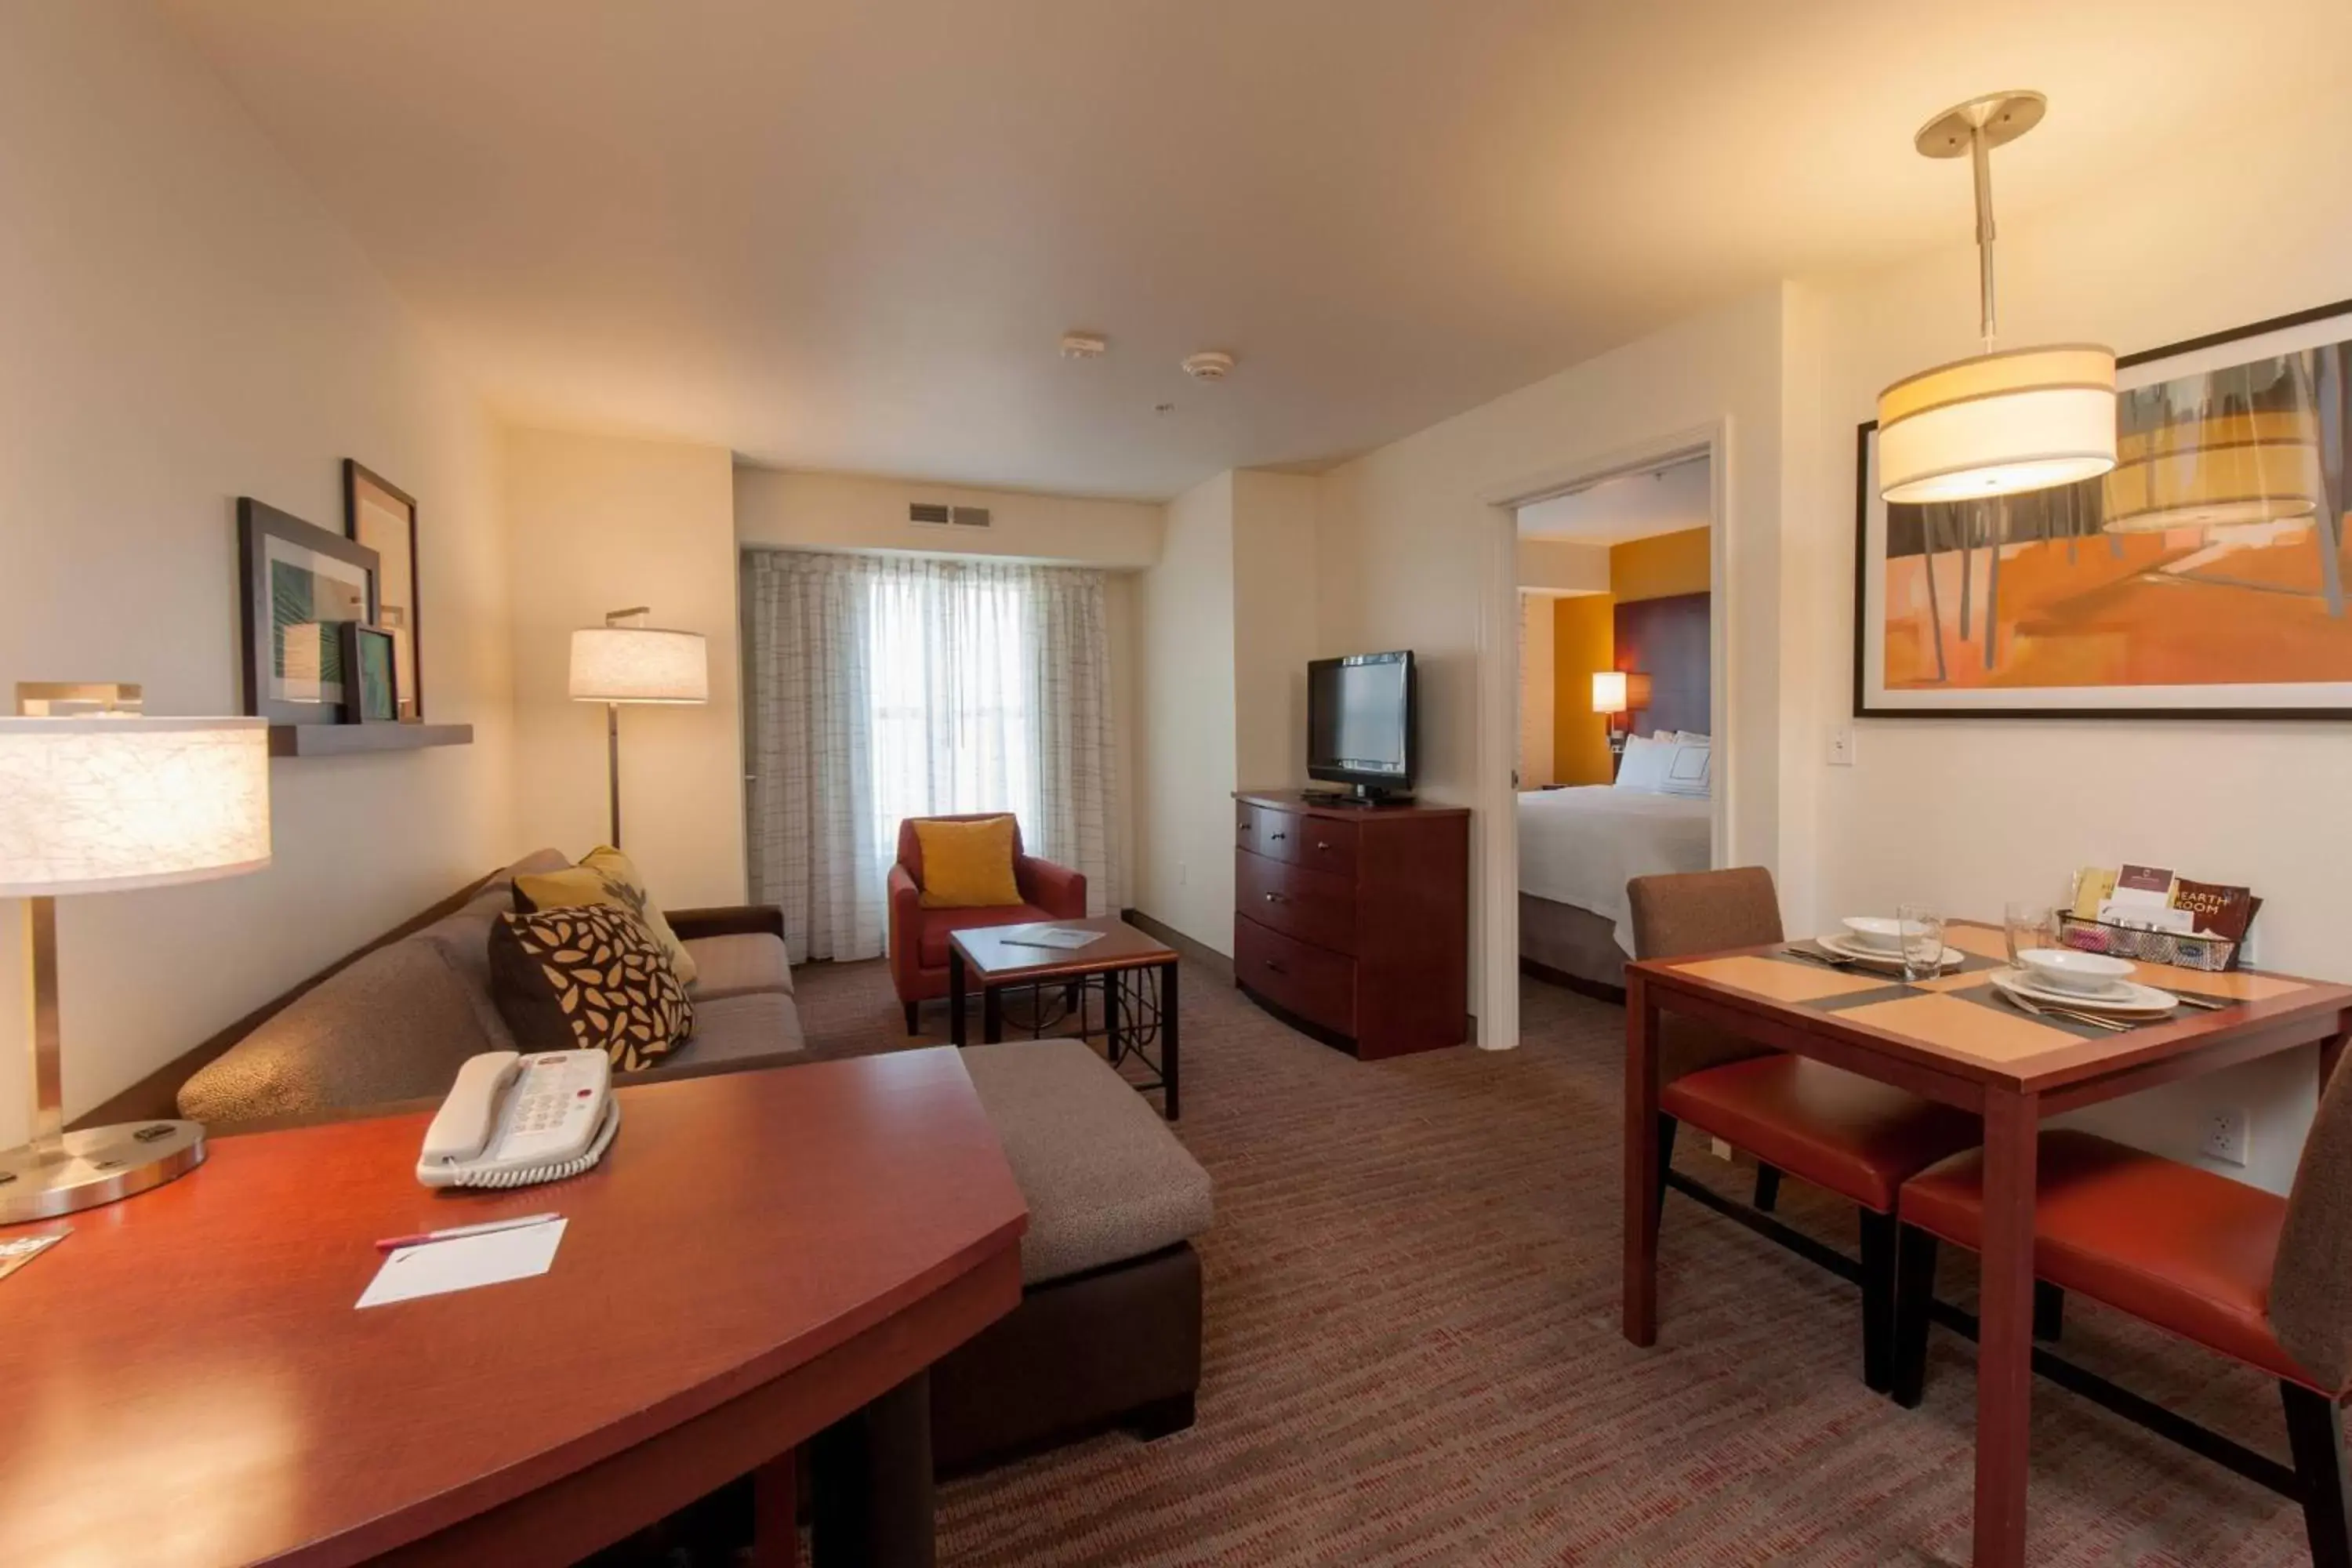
{"x": 382, "y": 516}
{"x": 2206, "y": 577}
{"x": 299, "y": 586}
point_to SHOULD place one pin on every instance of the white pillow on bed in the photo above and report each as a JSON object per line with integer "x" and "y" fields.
{"x": 1644, "y": 767}
{"x": 1690, "y": 770}
{"x": 1689, "y": 737}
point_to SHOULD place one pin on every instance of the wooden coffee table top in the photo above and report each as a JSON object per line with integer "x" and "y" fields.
{"x": 184, "y": 1380}
{"x": 996, "y": 961}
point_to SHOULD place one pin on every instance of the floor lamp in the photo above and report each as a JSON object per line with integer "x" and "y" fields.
{"x": 626, "y": 661}
{"x": 98, "y": 799}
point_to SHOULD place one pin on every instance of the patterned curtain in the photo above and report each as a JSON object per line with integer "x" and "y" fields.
{"x": 884, "y": 688}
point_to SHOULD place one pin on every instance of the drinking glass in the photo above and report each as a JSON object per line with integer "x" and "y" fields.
{"x": 2029, "y": 926}
{"x": 1921, "y": 932}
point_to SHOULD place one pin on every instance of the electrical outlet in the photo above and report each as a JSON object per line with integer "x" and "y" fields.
{"x": 1841, "y": 745}
{"x": 2229, "y": 1134}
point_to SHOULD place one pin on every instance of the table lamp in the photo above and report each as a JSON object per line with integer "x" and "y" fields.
{"x": 1617, "y": 692}
{"x": 624, "y": 660}
{"x": 95, "y": 798}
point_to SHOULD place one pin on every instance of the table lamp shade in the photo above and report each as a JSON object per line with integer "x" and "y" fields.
{"x": 105, "y": 804}
{"x": 1609, "y": 692}
{"x": 639, "y": 664}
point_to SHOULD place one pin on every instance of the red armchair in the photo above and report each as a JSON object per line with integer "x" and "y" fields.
{"x": 918, "y": 937}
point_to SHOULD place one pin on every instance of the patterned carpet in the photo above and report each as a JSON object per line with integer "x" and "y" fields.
{"x": 1414, "y": 1355}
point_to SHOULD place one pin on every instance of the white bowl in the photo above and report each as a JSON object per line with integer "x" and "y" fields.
{"x": 2065, "y": 969}
{"x": 1880, "y": 933}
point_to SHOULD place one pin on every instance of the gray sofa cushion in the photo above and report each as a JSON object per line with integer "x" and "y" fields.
{"x": 1105, "y": 1179}
{"x": 394, "y": 1026}
{"x": 756, "y": 1023}
{"x": 735, "y": 965}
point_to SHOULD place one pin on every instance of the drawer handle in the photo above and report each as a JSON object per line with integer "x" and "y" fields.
{"x": 1275, "y": 898}
{"x": 1277, "y": 836}
{"x": 1276, "y": 967}
{"x": 1319, "y": 843}
{"x": 1244, "y": 826}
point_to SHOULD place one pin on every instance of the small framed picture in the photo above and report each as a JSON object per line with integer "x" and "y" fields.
{"x": 382, "y": 516}
{"x": 299, "y": 584}
{"x": 372, "y": 691}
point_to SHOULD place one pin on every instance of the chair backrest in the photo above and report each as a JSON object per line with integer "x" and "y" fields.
{"x": 1703, "y": 911}
{"x": 911, "y": 843}
{"x": 2311, "y": 1284}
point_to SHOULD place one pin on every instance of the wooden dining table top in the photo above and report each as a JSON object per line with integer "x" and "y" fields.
{"x": 185, "y": 1381}
{"x": 1957, "y": 1024}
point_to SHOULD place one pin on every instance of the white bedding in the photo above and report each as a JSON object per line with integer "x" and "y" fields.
{"x": 1581, "y": 845}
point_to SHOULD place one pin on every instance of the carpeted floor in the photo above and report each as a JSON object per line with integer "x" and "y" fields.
{"x": 1412, "y": 1351}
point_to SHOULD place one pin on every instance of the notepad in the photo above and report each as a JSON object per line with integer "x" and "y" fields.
{"x": 1056, "y": 937}
{"x": 465, "y": 1263}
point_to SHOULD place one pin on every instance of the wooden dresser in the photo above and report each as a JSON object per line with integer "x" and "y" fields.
{"x": 1354, "y": 920}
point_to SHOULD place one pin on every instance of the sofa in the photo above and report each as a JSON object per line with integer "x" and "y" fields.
{"x": 918, "y": 936}
{"x": 1109, "y": 1330}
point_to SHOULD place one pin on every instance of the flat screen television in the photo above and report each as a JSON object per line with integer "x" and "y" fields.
{"x": 1359, "y": 722}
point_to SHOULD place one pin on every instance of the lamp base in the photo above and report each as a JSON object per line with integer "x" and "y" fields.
{"x": 96, "y": 1165}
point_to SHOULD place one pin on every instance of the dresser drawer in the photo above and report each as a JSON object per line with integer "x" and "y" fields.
{"x": 1312, "y": 906}
{"x": 1302, "y": 840}
{"x": 1319, "y": 987}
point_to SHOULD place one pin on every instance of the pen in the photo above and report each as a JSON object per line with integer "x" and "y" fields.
{"x": 452, "y": 1234}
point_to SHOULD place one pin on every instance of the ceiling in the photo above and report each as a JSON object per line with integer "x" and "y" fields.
{"x": 1672, "y": 500}
{"x": 847, "y": 236}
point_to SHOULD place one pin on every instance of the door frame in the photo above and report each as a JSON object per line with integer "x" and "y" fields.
{"x": 1498, "y": 687}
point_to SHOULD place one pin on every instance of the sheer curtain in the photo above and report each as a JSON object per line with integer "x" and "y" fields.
{"x": 884, "y": 687}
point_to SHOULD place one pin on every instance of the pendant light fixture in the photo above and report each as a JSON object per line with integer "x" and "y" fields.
{"x": 2004, "y": 421}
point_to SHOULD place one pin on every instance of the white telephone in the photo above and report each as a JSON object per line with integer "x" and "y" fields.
{"x": 555, "y": 1122}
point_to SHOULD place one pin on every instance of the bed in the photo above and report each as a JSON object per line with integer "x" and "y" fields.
{"x": 1578, "y": 849}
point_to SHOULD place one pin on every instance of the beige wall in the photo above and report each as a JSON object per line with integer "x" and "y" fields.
{"x": 1184, "y": 861}
{"x": 1972, "y": 814}
{"x": 600, "y": 523}
{"x": 851, "y": 512}
{"x": 184, "y": 327}
{"x": 1538, "y": 678}
{"x": 1432, "y": 558}
{"x": 1563, "y": 565}
{"x": 1274, "y": 625}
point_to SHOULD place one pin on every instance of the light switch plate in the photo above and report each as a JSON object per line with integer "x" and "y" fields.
{"x": 1841, "y": 745}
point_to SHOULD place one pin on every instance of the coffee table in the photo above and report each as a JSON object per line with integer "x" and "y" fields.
{"x": 1121, "y": 961}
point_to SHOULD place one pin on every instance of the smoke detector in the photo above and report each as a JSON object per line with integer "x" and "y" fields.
{"x": 1213, "y": 365}
{"x": 1083, "y": 345}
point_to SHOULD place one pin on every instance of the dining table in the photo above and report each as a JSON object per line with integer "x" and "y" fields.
{"x": 1955, "y": 1038}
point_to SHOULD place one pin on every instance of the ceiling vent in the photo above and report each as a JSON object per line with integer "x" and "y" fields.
{"x": 928, "y": 514}
{"x": 969, "y": 516}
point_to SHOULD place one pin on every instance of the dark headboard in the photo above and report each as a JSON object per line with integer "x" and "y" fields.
{"x": 1666, "y": 640}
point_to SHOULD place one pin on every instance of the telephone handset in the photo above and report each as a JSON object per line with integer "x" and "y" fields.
{"x": 513, "y": 1119}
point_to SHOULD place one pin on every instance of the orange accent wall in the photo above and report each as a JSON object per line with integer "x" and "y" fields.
{"x": 1661, "y": 566}
{"x": 1583, "y": 641}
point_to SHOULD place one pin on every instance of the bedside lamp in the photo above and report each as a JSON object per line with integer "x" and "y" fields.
{"x": 1615, "y": 692}
{"x": 624, "y": 660}
{"x": 100, "y": 800}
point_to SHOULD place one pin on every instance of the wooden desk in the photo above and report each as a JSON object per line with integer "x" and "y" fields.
{"x": 984, "y": 956}
{"x": 1945, "y": 1039}
{"x": 184, "y": 1383}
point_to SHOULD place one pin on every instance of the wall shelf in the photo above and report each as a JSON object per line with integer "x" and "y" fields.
{"x": 348, "y": 740}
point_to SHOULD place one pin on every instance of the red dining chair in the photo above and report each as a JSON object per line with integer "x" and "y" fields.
{"x": 1837, "y": 1130}
{"x": 2242, "y": 1272}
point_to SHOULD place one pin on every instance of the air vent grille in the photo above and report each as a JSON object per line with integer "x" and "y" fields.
{"x": 970, "y": 517}
{"x": 928, "y": 514}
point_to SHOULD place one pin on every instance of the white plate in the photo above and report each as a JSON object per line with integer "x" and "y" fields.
{"x": 1874, "y": 933}
{"x": 1843, "y": 946}
{"x": 2134, "y": 998}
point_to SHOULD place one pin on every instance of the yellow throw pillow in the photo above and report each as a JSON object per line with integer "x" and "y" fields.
{"x": 605, "y": 875}
{"x": 968, "y": 865}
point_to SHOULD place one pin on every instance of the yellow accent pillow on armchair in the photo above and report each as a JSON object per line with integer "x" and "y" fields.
{"x": 968, "y": 865}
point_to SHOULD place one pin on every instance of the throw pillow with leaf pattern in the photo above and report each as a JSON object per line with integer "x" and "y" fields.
{"x": 605, "y": 875}
{"x": 589, "y": 977}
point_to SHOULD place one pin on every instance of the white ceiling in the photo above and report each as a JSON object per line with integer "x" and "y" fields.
{"x": 847, "y": 236}
{"x": 1632, "y": 506}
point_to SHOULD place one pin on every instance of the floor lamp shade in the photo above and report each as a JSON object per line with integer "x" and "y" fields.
{"x": 110, "y": 803}
{"x": 1997, "y": 425}
{"x": 639, "y": 664}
